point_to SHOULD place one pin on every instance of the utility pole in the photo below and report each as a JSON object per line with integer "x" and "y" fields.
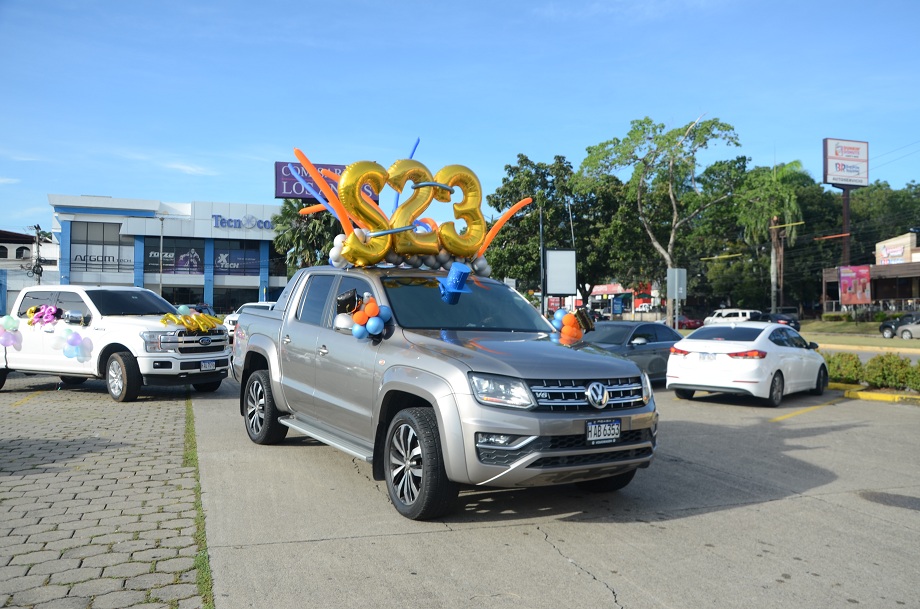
{"x": 37, "y": 260}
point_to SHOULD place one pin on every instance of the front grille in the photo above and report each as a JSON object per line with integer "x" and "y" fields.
{"x": 591, "y": 459}
{"x": 569, "y": 395}
{"x": 494, "y": 456}
{"x": 189, "y": 341}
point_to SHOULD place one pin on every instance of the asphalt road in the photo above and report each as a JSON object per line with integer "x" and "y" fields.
{"x": 813, "y": 504}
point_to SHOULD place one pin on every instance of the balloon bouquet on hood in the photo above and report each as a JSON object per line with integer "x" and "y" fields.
{"x": 407, "y": 238}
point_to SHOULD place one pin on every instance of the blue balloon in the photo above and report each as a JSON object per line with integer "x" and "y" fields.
{"x": 71, "y": 351}
{"x": 385, "y": 313}
{"x": 374, "y": 325}
{"x": 560, "y": 314}
{"x": 359, "y": 331}
{"x": 557, "y": 323}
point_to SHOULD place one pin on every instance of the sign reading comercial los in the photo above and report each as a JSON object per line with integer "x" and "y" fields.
{"x": 846, "y": 163}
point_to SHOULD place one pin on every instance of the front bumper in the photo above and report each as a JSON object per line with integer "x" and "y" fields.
{"x": 166, "y": 370}
{"x": 551, "y": 447}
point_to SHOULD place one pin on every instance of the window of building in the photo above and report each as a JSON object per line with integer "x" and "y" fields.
{"x": 180, "y": 256}
{"x": 236, "y": 257}
{"x": 23, "y": 253}
{"x": 100, "y": 247}
{"x": 4, "y": 253}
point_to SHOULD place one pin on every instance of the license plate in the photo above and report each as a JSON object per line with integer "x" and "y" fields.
{"x": 603, "y": 431}
{"x": 208, "y": 364}
{"x": 707, "y": 357}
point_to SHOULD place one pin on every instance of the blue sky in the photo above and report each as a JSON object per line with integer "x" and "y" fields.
{"x": 195, "y": 100}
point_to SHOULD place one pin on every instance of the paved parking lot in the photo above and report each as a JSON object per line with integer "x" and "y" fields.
{"x": 96, "y": 508}
{"x": 813, "y": 504}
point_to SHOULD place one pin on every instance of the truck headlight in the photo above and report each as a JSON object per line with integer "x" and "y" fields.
{"x": 159, "y": 342}
{"x": 646, "y": 388}
{"x": 501, "y": 391}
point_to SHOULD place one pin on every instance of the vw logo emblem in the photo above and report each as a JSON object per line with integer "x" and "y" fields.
{"x": 206, "y": 340}
{"x": 597, "y": 395}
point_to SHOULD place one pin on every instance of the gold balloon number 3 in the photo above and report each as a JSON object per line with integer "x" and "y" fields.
{"x": 426, "y": 189}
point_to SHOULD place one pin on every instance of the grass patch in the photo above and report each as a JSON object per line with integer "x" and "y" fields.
{"x": 202, "y": 564}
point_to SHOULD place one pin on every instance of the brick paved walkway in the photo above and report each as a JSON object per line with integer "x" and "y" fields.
{"x": 96, "y": 509}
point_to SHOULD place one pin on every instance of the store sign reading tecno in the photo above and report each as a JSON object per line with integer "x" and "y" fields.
{"x": 247, "y": 222}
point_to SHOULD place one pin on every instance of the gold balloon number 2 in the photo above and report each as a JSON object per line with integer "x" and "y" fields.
{"x": 426, "y": 188}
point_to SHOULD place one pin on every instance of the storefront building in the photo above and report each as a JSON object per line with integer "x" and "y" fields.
{"x": 217, "y": 253}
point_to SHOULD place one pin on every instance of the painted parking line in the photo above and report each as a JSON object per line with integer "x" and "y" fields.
{"x": 27, "y": 398}
{"x": 796, "y": 413}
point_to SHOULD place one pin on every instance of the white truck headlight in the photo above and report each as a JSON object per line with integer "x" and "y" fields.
{"x": 501, "y": 391}
{"x": 159, "y": 341}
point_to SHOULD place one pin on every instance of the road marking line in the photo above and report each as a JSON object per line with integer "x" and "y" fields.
{"x": 803, "y": 411}
{"x": 27, "y": 398}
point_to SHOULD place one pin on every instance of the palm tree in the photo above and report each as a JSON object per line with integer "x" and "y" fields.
{"x": 305, "y": 240}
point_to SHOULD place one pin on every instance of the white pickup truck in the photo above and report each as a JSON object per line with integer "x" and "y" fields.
{"x": 438, "y": 389}
{"x": 128, "y": 336}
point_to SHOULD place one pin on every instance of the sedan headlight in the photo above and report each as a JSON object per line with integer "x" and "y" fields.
{"x": 504, "y": 391}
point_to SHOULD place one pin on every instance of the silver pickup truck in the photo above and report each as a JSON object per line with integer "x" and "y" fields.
{"x": 477, "y": 389}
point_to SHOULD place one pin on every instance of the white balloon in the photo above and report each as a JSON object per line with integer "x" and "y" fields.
{"x": 339, "y": 240}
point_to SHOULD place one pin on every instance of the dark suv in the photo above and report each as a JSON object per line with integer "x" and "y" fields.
{"x": 889, "y": 327}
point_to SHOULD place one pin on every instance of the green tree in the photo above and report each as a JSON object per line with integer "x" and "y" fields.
{"x": 570, "y": 220}
{"x": 665, "y": 187}
{"x": 305, "y": 240}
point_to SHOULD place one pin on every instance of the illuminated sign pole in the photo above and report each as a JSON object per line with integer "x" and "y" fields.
{"x": 846, "y": 166}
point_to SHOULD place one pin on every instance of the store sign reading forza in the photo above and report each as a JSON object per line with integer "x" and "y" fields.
{"x": 247, "y": 222}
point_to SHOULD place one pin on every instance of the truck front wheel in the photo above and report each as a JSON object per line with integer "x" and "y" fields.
{"x": 123, "y": 377}
{"x": 416, "y": 479}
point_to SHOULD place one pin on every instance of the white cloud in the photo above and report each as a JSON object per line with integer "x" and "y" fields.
{"x": 9, "y": 180}
{"x": 192, "y": 170}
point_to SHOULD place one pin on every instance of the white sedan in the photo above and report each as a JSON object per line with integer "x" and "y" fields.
{"x": 230, "y": 320}
{"x": 765, "y": 360}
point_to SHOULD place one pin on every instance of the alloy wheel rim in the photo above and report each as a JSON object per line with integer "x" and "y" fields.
{"x": 116, "y": 380}
{"x": 255, "y": 408}
{"x": 406, "y": 465}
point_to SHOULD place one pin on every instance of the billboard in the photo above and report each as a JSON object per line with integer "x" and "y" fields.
{"x": 287, "y": 186}
{"x": 560, "y": 273}
{"x": 854, "y": 285}
{"x": 846, "y": 163}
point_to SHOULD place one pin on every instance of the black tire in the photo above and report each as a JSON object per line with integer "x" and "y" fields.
{"x": 820, "y": 382}
{"x": 3, "y": 374}
{"x": 607, "y": 485}
{"x": 123, "y": 377}
{"x": 775, "y": 398}
{"x": 73, "y": 380}
{"x": 415, "y": 475}
{"x": 684, "y": 394}
{"x": 888, "y": 333}
{"x": 260, "y": 414}
{"x": 207, "y": 387}
{"x": 906, "y": 335}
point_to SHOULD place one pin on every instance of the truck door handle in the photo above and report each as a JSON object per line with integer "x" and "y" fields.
{"x": 322, "y": 350}
{"x": 286, "y": 339}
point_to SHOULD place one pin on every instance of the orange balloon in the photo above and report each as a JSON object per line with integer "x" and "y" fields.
{"x": 326, "y": 190}
{"x": 306, "y": 211}
{"x": 501, "y": 222}
{"x": 371, "y": 309}
{"x": 568, "y": 331}
{"x": 359, "y": 317}
{"x": 569, "y": 320}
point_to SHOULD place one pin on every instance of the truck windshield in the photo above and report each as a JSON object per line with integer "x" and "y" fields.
{"x": 129, "y": 302}
{"x": 490, "y": 305}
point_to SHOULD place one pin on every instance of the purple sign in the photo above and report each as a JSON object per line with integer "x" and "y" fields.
{"x": 289, "y": 187}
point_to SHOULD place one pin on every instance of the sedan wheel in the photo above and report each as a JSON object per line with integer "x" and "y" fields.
{"x": 820, "y": 382}
{"x": 887, "y": 333}
{"x": 906, "y": 335}
{"x": 776, "y": 391}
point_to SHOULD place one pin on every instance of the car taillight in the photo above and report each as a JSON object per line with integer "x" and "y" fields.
{"x": 676, "y": 351}
{"x": 752, "y": 354}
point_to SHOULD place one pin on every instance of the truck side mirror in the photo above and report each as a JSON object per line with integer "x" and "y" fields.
{"x": 343, "y": 323}
{"x": 75, "y": 317}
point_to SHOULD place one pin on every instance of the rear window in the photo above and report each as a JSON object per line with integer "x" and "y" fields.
{"x": 738, "y": 333}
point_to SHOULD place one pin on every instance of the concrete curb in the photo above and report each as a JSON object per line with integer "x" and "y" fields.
{"x": 858, "y": 392}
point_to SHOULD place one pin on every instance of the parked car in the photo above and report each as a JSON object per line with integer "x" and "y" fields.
{"x": 646, "y": 343}
{"x": 727, "y": 316}
{"x": 201, "y": 307}
{"x": 761, "y": 359}
{"x": 889, "y": 327}
{"x": 686, "y": 323}
{"x": 230, "y": 320}
{"x": 779, "y": 318}
{"x": 909, "y": 330}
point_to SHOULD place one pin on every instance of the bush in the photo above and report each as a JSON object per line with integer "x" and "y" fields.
{"x": 880, "y": 317}
{"x": 888, "y": 370}
{"x": 843, "y": 367}
{"x": 836, "y": 317}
